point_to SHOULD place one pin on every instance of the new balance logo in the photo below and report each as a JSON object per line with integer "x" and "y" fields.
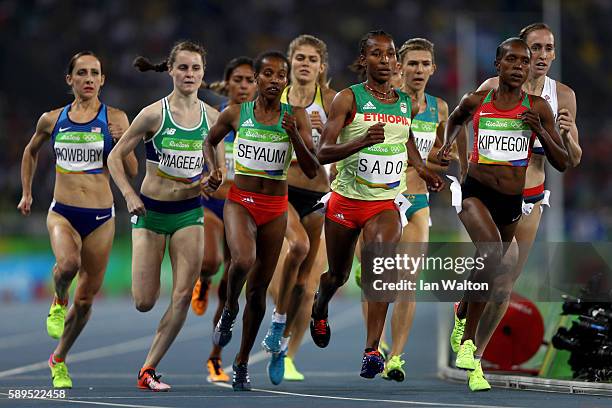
{"x": 201, "y": 219}
{"x": 339, "y": 216}
{"x": 369, "y": 105}
{"x": 247, "y": 123}
{"x": 248, "y": 200}
{"x": 169, "y": 131}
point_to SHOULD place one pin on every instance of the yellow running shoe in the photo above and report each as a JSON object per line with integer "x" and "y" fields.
{"x": 457, "y": 334}
{"x": 59, "y": 374}
{"x": 465, "y": 356}
{"x": 215, "y": 371}
{"x": 291, "y": 373}
{"x": 394, "y": 369}
{"x": 476, "y": 380}
{"x": 55, "y": 320}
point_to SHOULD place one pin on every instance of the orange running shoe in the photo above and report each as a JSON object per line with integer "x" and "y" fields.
{"x": 149, "y": 380}
{"x": 199, "y": 297}
{"x": 215, "y": 371}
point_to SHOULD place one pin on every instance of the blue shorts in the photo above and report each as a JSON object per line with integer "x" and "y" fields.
{"x": 418, "y": 201}
{"x": 83, "y": 220}
{"x": 215, "y": 205}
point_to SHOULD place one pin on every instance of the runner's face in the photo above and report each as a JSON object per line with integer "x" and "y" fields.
{"x": 380, "y": 58}
{"x": 542, "y": 46}
{"x": 306, "y": 64}
{"x": 272, "y": 78}
{"x": 513, "y": 66}
{"x": 417, "y": 68}
{"x": 187, "y": 71}
{"x": 86, "y": 77}
{"x": 241, "y": 85}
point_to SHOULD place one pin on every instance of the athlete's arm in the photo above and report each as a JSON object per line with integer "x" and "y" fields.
{"x": 456, "y": 122}
{"x": 226, "y": 122}
{"x": 44, "y": 127}
{"x": 540, "y": 119}
{"x": 298, "y": 128}
{"x": 567, "y": 123}
{"x": 340, "y": 111}
{"x": 145, "y": 124}
{"x": 120, "y": 121}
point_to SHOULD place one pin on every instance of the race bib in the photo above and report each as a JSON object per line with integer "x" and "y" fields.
{"x": 78, "y": 152}
{"x": 382, "y": 165}
{"x": 181, "y": 159}
{"x": 503, "y": 141}
{"x": 424, "y": 136}
{"x": 262, "y": 151}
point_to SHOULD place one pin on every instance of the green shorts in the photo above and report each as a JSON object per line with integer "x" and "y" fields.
{"x": 167, "y": 217}
{"x": 418, "y": 201}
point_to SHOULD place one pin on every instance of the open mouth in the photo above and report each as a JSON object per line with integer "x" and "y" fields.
{"x": 516, "y": 76}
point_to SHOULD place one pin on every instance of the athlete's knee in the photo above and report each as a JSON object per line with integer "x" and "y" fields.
{"x": 243, "y": 262}
{"x": 298, "y": 291}
{"x": 339, "y": 279}
{"x": 144, "y": 304}
{"x": 68, "y": 264}
{"x": 298, "y": 250}
{"x": 491, "y": 253}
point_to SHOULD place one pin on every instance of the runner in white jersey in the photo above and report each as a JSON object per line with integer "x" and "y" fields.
{"x": 562, "y": 101}
{"x": 308, "y": 57}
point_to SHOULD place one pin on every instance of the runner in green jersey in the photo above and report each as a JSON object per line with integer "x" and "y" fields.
{"x": 256, "y": 209}
{"x": 169, "y": 206}
{"x": 372, "y": 122}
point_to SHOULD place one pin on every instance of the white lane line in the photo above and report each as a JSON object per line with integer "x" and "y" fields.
{"x": 106, "y": 404}
{"x": 402, "y": 402}
{"x": 347, "y": 319}
{"x": 141, "y": 343}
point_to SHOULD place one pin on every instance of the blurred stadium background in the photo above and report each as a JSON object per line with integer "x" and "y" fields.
{"x": 39, "y": 37}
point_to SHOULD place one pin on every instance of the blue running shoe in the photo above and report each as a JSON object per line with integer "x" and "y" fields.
{"x": 372, "y": 364}
{"x": 272, "y": 342}
{"x": 223, "y": 330}
{"x": 241, "y": 380}
{"x": 276, "y": 367}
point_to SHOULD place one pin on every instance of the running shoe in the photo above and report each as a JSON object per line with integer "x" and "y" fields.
{"x": 394, "y": 369}
{"x": 465, "y": 356}
{"x": 149, "y": 380}
{"x": 272, "y": 342}
{"x": 372, "y": 364}
{"x": 199, "y": 297}
{"x": 215, "y": 371}
{"x": 223, "y": 330}
{"x": 291, "y": 373}
{"x": 55, "y": 320}
{"x": 241, "y": 380}
{"x": 458, "y": 329}
{"x": 59, "y": 374}
{"x": 476, "y": 380}
{"x": 276, "y": 367}
{"x": 319, "y": 328}
{"x": 384, "y": 349}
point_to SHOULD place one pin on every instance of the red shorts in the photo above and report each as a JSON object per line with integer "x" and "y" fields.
{"x": 354, "y": 213}
{"x": 262, "y": 207}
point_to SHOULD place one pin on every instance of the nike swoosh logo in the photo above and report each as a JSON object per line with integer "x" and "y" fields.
{"x": 98, "y": 218}
{"x": 486, "y": 113}
{"x": 64, "y": 129}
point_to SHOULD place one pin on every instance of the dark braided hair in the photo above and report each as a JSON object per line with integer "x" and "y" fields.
{"x": 144, "y": 64}
{"x": 501, "y": 48}
{"x": 257, "y": 65}
{"x": 356, "y": 67}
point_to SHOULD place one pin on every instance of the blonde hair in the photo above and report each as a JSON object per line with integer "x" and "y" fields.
{"x": 317, "y": 44}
